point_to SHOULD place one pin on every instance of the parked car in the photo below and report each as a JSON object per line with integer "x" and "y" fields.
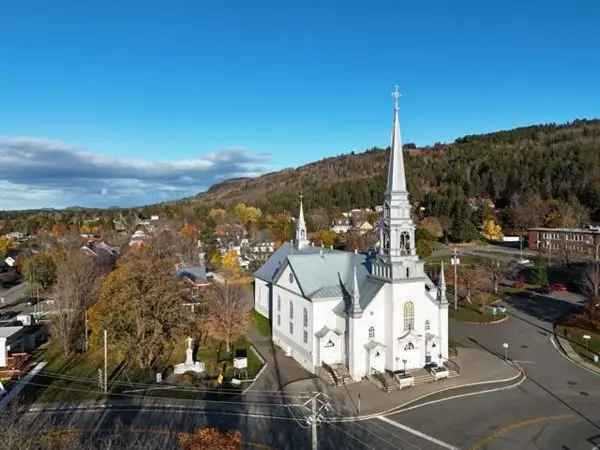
{"x": 558, "y": 287}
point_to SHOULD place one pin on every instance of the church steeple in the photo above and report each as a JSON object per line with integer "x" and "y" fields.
{"x": 442, "y": 285}
{"x": 301, "y": 235}
{"x": 397, "y": 253}
{"x": 396, "y": 176}
{"x": 355, "y": 309}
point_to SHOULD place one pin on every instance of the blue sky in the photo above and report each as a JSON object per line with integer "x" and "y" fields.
{"x": 178, "y": 95}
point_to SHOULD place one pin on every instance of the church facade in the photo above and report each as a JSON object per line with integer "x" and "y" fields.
{"x": 369, "y": 313}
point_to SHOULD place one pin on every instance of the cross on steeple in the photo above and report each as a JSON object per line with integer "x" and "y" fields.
{"x": 396, "y": 95}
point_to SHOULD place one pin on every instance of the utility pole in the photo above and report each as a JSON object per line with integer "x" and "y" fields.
{"x": 455, "y": 262}
{"x": 105, "y": 363}
{"x": 314, "y": 423}
{"x": 85, "y": 331}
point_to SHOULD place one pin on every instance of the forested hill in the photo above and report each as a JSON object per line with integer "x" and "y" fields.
{"x": 557, "y": 162}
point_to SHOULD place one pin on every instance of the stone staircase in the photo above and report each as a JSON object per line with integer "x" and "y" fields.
{"x": 423, "y": 376}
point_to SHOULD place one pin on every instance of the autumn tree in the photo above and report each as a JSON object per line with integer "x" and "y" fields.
{"x": 433, "y": 226}
{"x": 6, "y": 244}
{"x": 40, "y": 270}
{"x": 230, "y": 264}
{"x": 141, "y": 306}
{"x": 76, "y": 288}
{"x": 326, "y": 238}
{"x": 474, "y": 279}
{"x": 491, "y": 230}
{"x": 247, "y": 214}
{"x": 210, "y": 438}
{"x": 228, "y": 313}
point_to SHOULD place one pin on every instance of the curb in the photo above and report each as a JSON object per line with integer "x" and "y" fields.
{"x": 558, "y": 345}
{"x": 493, "y": 322}
{"x": 406, "y": 405}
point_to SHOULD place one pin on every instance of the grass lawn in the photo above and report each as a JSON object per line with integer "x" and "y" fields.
{"x": 575, "y": 335}
{"x": 465, "y": 260}
{"x": 470, "y": 313}
{"x": 261, "y": 323}
{"x": 67, "y": 379}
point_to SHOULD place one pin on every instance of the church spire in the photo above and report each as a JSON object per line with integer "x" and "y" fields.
{"x": 355, "y": 309}
{"x": 301, "y": 235}
{"x": 396, "y": 176}
{"x": 442, "y": 286}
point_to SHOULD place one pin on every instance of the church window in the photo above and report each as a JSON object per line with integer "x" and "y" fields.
{"x": 291, "y": 310}
{"x": 291, "y": 327}
{"x": 371, "y": 332}
{"x": 291, "y": 277}
{"x": 279, "y": 303}
{"x": 278, "y": 320}
{"x": 305, "y": 337}
{"x": 305, "y": 317}
{"x": 409, "y": 316}
{"x": 407, "y": 272}
{"x": 427, "y": 325}
{"x": 404, "y": 243}
{"x": 409, "y": 346}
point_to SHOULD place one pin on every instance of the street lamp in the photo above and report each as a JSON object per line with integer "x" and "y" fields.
{"x": 505, "y": 346}
{"x": 404, "y": 361}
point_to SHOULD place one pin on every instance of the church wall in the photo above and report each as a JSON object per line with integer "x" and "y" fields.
{"x": 261, "y": 297}
{"x": 425, "y": 309}
{"x": 288, "y": 308}
{"x": 373, "y": 316}
{"x": 324, "y": 316}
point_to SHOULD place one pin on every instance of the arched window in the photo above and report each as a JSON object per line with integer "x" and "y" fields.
{"x": 409, "y": 316}
{"x": 279, "y": 303}
{"x": 405, "y": 243}
{"x": 291, "y": 310}
{"x": 409, "y": 346}
{"x": 371, "y": 332}
{"x": 427, "y": 325}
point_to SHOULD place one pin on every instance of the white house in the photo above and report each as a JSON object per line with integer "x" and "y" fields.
{"x": 368, "y": 313}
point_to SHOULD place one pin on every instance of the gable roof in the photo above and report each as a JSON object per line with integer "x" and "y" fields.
{"x": 330, "y": 275}
{"x": 272, "y": 267}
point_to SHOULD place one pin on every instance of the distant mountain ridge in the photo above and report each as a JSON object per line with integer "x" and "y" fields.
{"x": 554, "y": 160}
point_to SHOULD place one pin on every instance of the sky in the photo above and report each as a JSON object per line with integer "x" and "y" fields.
{"x": 128, "y": 103}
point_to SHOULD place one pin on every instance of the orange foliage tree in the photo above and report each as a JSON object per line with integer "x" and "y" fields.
{"x": 210, "y": 438}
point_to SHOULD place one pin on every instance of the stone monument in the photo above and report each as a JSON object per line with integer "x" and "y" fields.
{"x": 189, "y": 365}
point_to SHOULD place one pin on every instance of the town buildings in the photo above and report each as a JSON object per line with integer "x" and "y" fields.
{"x": 366, "y": 313}
{"x": 579, "y": 241}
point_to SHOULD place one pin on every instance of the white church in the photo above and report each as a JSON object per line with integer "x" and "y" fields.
{"x": 369, "y": 313}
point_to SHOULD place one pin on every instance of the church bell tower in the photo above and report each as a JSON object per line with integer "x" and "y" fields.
{"x": 397, "y": 258}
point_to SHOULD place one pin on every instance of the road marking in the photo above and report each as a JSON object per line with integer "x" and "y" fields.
{"x": 417, "y": 433}
{"x": 575, "y": 363}
{"x": 524, "y": 423}
{"x": 523, "y": 362}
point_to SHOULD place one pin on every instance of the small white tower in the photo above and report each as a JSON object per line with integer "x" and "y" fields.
{"x": 301, "y": 235}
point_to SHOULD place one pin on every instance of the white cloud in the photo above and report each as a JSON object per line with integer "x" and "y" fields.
{"x": 38, "y": 173}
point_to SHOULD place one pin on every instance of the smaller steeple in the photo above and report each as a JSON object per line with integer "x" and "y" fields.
{"x": 355, "y": 309}
{"x": 301, "y": 235}
{"x": 442, "y": 285}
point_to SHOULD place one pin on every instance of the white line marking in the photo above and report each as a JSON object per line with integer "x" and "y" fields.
{"x": 561, "y": 353}
{"x": 418, "y": 433}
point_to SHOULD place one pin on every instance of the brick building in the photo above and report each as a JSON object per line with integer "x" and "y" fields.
{"x": 582, "y": 241}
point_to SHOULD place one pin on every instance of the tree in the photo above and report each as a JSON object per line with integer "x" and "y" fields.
{"x": 541, "y": 272}
{"x": 495, "y": 268}
{"x": 189, "y": 231}
{"x": 210, "y": 438}
{"x": 6, "y": 244}
{"x": 230, "y": 264}
{"x": 141, "y": 306}
{"x": 491, "y": 230}
{"x": 228, "y": 313}
{"x": 433, "y": 226}
{"x": 327, "y": 238}
{"x": 76, "y": 289}
{"x": 474, "y": 280}
{"x": 40, "y": 270}
{"x": 247, "y": 214}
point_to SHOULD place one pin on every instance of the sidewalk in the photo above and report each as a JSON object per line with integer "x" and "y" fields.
{"x": 574, "y": 356}
{"x": 281, "y": 370}
{"x": 479, "y": 370}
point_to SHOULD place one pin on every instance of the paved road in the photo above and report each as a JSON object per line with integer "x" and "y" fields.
{"x": 557, "y": 407}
